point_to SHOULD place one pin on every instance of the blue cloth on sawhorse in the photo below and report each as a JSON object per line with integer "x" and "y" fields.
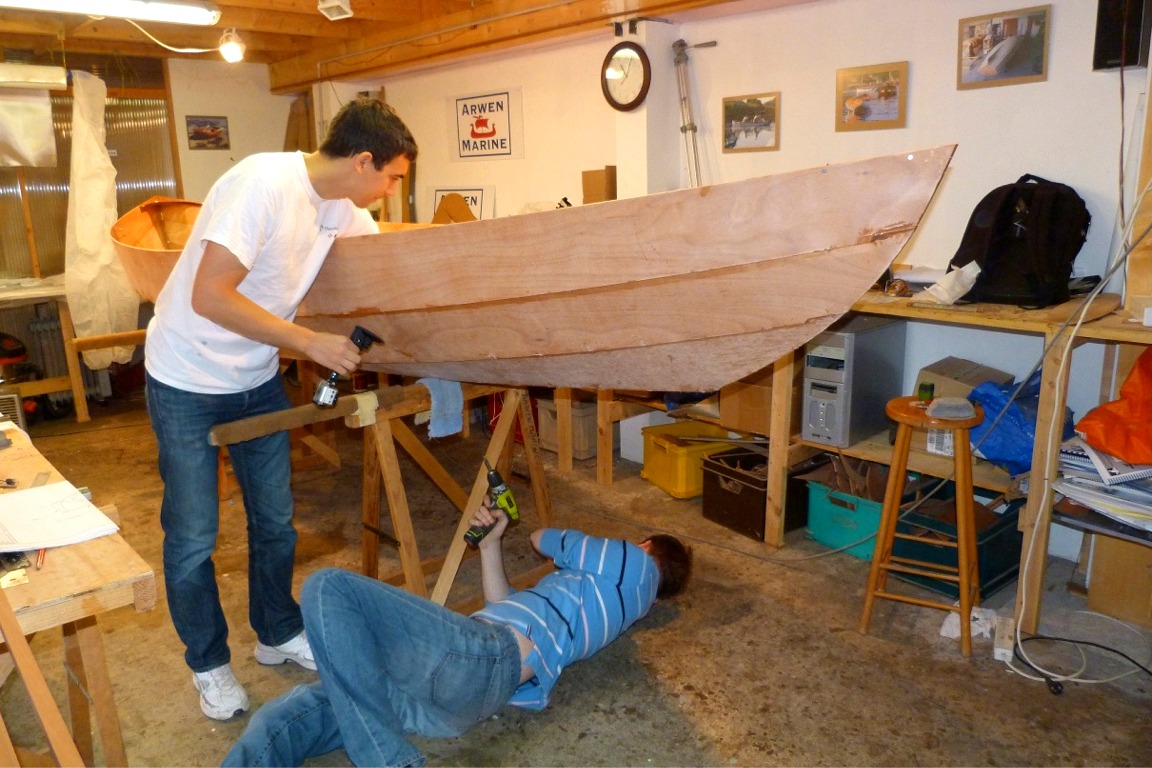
{"x": 447, "y": 407}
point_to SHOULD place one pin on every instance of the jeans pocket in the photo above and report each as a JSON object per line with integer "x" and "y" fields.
{"x": 466, "y": 688}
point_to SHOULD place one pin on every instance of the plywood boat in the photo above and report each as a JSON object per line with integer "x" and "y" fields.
{"x": 148, "y": 239}
{"x": 678, "y": 291}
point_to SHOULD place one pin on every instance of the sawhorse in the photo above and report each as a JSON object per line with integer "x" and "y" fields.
{"x": 380, "y": 414}
{"x": 381, "y": 465}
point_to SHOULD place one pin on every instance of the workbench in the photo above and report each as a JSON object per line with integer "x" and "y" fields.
{"x": 77, "y": 584}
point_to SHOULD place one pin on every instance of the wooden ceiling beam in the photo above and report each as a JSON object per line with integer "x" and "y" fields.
{"x": 394, "y": 11}
{"x": 497, "y": 26}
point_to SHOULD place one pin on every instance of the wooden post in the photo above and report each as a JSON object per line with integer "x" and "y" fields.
{"x": 29, "y": 230}
{"x": 1138, "y": 285}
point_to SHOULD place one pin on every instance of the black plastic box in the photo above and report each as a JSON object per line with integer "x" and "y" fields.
{"x": 997, "y": 550}
{"x": 736, "y": 490}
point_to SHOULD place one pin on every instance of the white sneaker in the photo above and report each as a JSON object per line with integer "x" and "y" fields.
{"x": 296, "y": 650}
{"x": 221, "y": 695}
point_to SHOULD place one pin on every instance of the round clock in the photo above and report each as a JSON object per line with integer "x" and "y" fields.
{"x": 625, "y": 76}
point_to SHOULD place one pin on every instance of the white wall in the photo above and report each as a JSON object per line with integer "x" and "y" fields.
{"x": 257, "y": 119}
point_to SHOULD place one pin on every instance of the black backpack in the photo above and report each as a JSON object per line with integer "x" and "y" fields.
{"x": 1025, "y": 238}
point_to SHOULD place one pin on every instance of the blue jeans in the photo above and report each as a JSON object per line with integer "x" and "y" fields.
{"x": 390, "y": 663}
{"x": 190, "y": 517}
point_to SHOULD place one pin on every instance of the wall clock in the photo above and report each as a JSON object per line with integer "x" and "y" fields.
{"x": 625, "y": 76}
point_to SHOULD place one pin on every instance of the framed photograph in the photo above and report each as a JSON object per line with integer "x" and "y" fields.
{"x": 873, "y": 97}
{"x": 207, "y": 132}
{"x": 1003, "y": 48}
{"x": 752, "y": 123}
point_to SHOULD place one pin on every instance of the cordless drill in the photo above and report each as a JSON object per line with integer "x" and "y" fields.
{"x": 325, "y": 396}
{"x": 502, "y": 495}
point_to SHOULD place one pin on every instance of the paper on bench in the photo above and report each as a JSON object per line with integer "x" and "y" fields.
{"x": 52, "y": 515}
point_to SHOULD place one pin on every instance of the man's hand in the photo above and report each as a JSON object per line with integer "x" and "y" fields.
{"x": 490, "y": 515}
{"x": 334, "y": 352}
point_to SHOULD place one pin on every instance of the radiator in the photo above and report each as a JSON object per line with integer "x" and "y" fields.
{"x": 46, "y": 348}
{"x": 11, "y": 409}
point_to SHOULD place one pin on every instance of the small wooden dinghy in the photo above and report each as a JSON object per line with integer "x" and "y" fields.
{"x": 678, "y": 291}
{"x": 148, "y": 239}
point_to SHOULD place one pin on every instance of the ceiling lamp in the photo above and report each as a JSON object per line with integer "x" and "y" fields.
{"x": 335, "y": 9}
{"x": 231, "y": 47}
{"x": 34, "y": 76}
{"x": 200, "y": 12}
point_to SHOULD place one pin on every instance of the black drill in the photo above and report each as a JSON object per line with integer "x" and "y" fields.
{"x": 325, "y": 396}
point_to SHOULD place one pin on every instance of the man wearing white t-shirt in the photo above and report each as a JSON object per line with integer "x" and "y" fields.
{"x": 212, "y": 356}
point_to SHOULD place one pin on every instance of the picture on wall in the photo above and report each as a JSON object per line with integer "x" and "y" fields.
{"x": 207, "y": 132}
{"x": 752, "y": 123}
{"x": 1003, "y": 48}
{"x": 872, "y": 97}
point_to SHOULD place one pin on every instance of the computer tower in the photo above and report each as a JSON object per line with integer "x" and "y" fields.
{"x": 851, "y": 371}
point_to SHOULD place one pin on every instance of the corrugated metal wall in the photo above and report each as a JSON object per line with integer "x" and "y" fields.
{"x": 138, "y": 140}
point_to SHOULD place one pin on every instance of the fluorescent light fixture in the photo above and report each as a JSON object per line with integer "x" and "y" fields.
{"x": 33, "y": 76}
{"x": 334, "y": 10}
{"x": 200, "y": 12}
{"x": 231, "y": 47}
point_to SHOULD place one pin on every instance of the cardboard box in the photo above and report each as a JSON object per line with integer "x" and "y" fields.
{"x": 956, "y": 377}
{"x": 1120, "y": 580}
{"x": 951, "y": 377}
{"x": 599, "y": 185}
{"x": 583, "y": 429}
{"x": 746, "y": 405}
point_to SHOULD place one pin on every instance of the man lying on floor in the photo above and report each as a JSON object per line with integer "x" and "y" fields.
{"x": 392, "y": 663}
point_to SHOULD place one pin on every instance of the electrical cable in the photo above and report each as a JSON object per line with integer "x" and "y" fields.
{"x": 165, "y": 45}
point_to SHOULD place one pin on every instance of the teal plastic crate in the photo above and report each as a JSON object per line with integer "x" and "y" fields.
{"x": 997, "y": 550}
{"x": 836, "y": 519}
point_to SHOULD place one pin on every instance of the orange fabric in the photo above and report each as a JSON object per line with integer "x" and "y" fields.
{"x": 1123, "y": 427}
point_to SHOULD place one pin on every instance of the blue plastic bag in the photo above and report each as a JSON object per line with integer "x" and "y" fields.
{"x": 1010, "y": 444}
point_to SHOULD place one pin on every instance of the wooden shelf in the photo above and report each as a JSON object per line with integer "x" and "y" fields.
{"x": 877, "y": 448}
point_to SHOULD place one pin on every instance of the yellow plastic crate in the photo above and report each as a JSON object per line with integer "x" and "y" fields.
{"x": 676, "y": 465}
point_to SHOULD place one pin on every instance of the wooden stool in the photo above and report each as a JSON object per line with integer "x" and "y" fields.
{"x": 911, "y": 414}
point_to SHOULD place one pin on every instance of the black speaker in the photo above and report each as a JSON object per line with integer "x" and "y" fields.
{"x": 1122, "y": 33}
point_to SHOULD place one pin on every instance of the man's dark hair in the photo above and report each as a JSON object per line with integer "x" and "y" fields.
{"x": 673, "y": 560}
{"x": 369, "y": 125}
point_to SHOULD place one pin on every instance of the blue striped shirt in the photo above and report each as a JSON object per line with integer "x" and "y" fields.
{"x": 602, "y": 587}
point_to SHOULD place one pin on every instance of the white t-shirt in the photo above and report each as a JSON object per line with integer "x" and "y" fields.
{"x": 265, "y": 211}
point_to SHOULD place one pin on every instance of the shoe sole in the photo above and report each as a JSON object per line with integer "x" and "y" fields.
{"x": 221, "y": 716}
{"x": 271, "y": 657}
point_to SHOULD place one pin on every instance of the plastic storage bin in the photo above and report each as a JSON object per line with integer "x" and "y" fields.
{"x": 997, "y": 549}
{"x": 736, "y": 490}
{"x": 676, "y": 465}
{"x": 836, "y": 519}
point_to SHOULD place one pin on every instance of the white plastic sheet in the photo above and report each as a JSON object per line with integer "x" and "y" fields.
{"x": 99, "y": 294}
{"x": 26, "y": 135}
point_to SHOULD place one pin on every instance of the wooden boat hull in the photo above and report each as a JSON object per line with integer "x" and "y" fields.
{"x": 679, "y": 291}
{"x": 148, "y": 239}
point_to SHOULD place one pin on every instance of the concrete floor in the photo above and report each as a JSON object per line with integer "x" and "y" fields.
{"x": 759, "y": 663}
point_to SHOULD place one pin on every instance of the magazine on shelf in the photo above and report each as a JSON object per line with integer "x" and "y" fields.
{"x": 1078, "y": 456}
{"x": 1131, "y": 504}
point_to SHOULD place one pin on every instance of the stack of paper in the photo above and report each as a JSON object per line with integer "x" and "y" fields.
{"x": 52, "y": 515}
{"x": 1105, "y": 483}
